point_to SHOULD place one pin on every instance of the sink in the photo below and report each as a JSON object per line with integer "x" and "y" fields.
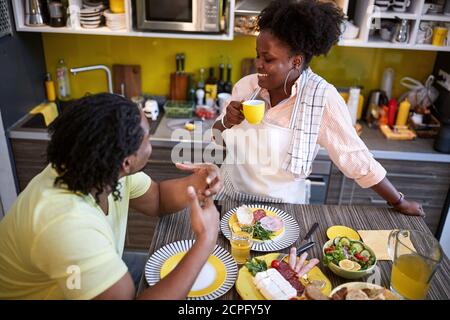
{"x": 36, "y": 121}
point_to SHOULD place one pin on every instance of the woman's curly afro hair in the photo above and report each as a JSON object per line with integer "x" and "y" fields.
{"x": 90, "y": 140}
{"x": 308, "y": 27}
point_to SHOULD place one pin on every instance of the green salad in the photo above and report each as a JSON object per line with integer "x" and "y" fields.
{"x": 343, "y": 252}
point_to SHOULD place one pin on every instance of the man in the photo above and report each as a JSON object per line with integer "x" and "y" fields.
{"x": 64, "y": 236}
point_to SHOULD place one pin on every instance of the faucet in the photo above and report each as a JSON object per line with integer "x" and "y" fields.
{"x": 74, "y": 71}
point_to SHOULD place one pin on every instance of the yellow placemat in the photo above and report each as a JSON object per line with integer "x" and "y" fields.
{"x": 48, "y": 110}
{"x": 377, "y": 240}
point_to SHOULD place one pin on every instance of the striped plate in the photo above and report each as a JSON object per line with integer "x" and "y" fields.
{"x": 158, "y": 259}
{"x": 290, "y": 235}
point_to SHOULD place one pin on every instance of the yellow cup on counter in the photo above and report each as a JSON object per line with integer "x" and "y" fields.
{"x": 254, "y": 110}
{"x": 117, "y": 6}
{"x": 439, "y": 36}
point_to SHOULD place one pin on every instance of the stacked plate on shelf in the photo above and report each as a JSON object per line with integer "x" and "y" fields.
{"x": 91, "y": 14}
{"x": 115, "y": 21}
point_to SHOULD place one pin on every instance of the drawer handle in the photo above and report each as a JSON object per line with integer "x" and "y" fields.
{"x": 412, "y": 175}
{"x": 378, "y": 201}
{"x": 318, "y": 184}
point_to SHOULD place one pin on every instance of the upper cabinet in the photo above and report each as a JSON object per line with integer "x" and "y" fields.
{"x": 195, "y": 19}
{"x": 399, "y": 24}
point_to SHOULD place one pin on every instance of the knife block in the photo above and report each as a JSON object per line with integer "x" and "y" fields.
{"x": 178, "y": 86}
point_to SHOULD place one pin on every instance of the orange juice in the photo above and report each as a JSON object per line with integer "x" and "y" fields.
{"x": 410, "y": 276}
{"x": 241, "y": 242}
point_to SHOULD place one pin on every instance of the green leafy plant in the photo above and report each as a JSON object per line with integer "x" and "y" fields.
{"x": 255, "y": 265}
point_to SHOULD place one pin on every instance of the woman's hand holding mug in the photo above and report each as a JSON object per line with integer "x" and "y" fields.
{"x": 234, "y": 115}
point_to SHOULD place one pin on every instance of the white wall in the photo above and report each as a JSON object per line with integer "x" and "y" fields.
{"x": 445, "y": 236}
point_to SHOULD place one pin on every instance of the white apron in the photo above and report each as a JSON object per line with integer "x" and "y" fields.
{"x": 253, "y": 170}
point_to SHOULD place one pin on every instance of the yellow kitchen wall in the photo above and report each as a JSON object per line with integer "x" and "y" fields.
{"x": 344, "y": 66}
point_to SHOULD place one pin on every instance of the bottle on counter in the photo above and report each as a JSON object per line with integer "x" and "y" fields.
{"x": 392, "y": 111}
{"x": 62, "y": 79}
{"x": 50, "y": 91}
{"x": 200, "y": 92}
{"x": 221, "y": 82}
{"x": 210, "y": 88}
{"x": 403, "y": 113}
{"x": 353, "y": 102}
{"x": 191, "y": 96}
{"x": 228, "y": 85}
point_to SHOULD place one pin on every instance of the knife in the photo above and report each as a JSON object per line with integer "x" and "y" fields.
{"x": 309, "y": 233}
{"x": 300, "y": 250}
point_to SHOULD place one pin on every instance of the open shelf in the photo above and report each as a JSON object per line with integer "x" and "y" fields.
{"x": 128, "y": 31}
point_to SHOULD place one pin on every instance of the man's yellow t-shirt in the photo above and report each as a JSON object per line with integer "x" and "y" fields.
{"x": 56, "y": 244}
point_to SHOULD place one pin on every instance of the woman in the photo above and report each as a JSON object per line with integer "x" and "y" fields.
{"x": 303, "y": 112}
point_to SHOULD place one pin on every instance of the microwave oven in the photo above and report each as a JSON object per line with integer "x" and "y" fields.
{"x": 179, "y": 15}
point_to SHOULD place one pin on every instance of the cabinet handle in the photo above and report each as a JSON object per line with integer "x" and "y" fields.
{"x": 412, "y": 175}
{"x": 319, "y": 184}
{"x": 378, "y": 201}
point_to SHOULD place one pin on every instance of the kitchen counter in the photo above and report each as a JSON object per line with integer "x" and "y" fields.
{"x": 416, "y": 150}
{"x": 176, "y": 227}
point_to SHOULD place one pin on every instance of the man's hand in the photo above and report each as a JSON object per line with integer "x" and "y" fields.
{"x": 410, "y": 208}
{"x": 204, "y": 220}
{"x": 205, "y": 178}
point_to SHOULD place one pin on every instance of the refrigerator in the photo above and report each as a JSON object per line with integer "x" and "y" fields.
{"x": 22, "y": 70}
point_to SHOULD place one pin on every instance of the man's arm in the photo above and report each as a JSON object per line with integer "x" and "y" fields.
{"x": 170, "y": 195}
{"x": 178, "y": 283}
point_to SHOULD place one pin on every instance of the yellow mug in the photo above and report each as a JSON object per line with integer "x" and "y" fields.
{"x": 439, "y": 36}
{"x": 254, "y": 110}
{"x": 117, "y": 6}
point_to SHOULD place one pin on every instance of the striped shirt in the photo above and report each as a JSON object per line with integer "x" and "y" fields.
{"x": 336, "y": 134}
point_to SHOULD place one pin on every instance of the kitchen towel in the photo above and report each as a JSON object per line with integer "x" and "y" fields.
{"x": 377, "y": 240}
{"x": 48, "y": 110}
{"x": 306, "y": 119}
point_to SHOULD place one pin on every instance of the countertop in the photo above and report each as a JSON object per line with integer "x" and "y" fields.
{"x": 176, "y": 227}
{"x": 415, "y": 150}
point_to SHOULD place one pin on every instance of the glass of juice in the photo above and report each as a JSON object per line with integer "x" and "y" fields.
{"x": 416, "y": 256}
{"x": 241, "y": 243}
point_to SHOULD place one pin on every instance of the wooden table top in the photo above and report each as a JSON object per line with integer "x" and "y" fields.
{"x": 176, "y": 227}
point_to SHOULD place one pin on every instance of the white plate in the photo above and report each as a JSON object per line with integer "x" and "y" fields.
{"x": 156, "y": 261}
{"x": 290, "y": 235}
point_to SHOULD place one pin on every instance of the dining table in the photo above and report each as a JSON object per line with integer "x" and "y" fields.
{"x": 175, "y": 227}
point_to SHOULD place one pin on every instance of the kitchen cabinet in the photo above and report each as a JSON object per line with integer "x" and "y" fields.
{"x": 365, "y": 16}
{"x": 424, "y": 182}
{"x": 369, "y": 18}
{"x": 128, "y": 31}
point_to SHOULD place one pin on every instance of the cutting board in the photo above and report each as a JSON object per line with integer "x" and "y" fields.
{"x": 248, "y": 66}
{"x": 127, "y": 80}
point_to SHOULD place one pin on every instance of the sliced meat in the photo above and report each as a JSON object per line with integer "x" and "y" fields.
{"x": 259, "y": 214}
{"x": 271, "y": 223}
{"x": 291, "y": 276}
